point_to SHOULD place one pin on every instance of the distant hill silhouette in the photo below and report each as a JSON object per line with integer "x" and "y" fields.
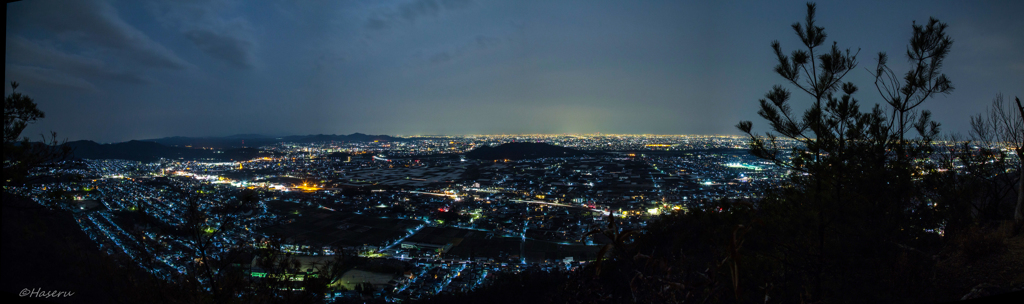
{"x": 256, "y": 140}
{"x": 151, "y": 151}
{"x": 517, "y": 151}
{"x": 243, "y": 136}
{"x": 339, "y": 155}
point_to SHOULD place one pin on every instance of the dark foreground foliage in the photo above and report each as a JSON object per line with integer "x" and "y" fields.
{"x": 45, "y": 249}
{"x": 747, "y": 255}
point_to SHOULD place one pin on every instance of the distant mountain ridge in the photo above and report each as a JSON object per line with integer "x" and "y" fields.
{"x": 234, "y": 147}
{"x": 150, "y": 151}
{"x": 256, "y": 140}
{"x": 518, "y": 151}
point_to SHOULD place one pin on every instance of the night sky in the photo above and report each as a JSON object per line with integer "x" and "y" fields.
{"x": 112, "y": 71}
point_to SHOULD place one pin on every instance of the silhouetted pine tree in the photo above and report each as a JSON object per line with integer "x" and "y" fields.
{"x": 851, "y": 197}
{"x": 20, "y": 155}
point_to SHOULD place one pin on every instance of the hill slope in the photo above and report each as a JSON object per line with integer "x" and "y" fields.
{"x": 45, "y": 249}
{"x": 517, "y": 151}
{"x": 151, "y": 151}
{"x": 256, "y": 140}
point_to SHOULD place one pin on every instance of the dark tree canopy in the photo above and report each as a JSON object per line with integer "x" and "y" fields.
{"x": 855, "y": 191}
{"x": 21, "y": 156}
{"x": 19, "y": 111}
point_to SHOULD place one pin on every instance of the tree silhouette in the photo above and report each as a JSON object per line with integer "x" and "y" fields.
{"x": 853, "y": 172}
{"x": 616, "y": 248}
{"x": 223, "y": 256}
{"x": 19, "y": 111}
{"x": 823, "y": 127}
{"x": 20, "y": 156}
{"x": 928, "y": 48}
{"x": 1003, "y": 127}
{"x": 285, "y": 280}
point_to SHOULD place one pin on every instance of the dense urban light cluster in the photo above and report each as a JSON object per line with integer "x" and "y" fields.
{"x": 418, "y": 202}
{"x": 450, "y": 144}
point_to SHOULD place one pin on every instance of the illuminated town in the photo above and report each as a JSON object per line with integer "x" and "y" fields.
{"x": 418, "y": 204}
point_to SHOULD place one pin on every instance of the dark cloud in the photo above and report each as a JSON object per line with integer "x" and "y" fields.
{"x": 440, "y": 57}
{"x": 327, "y": 61}
{"x": 31, "y": 54}
{"x": 46, "y": 77}
{"x": 412, "y": 10}
{"x": 230, "y": 49}
{"x": 477, "y": 44}
{"x": 376, "y": 23}
{"x": 204, "y": 24}
{"x": 485, "y": 42}
{"x": 456, "y": 4}
{"x": 98, "y": 24}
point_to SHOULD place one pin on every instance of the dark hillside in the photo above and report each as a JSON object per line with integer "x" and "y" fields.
{"x": 685, "y": 258}
{"x": 255, "y": 140}
{"x": 150, "y": 151}
{"x": 517, "y": 151}
{"x": 45, "y": 249}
